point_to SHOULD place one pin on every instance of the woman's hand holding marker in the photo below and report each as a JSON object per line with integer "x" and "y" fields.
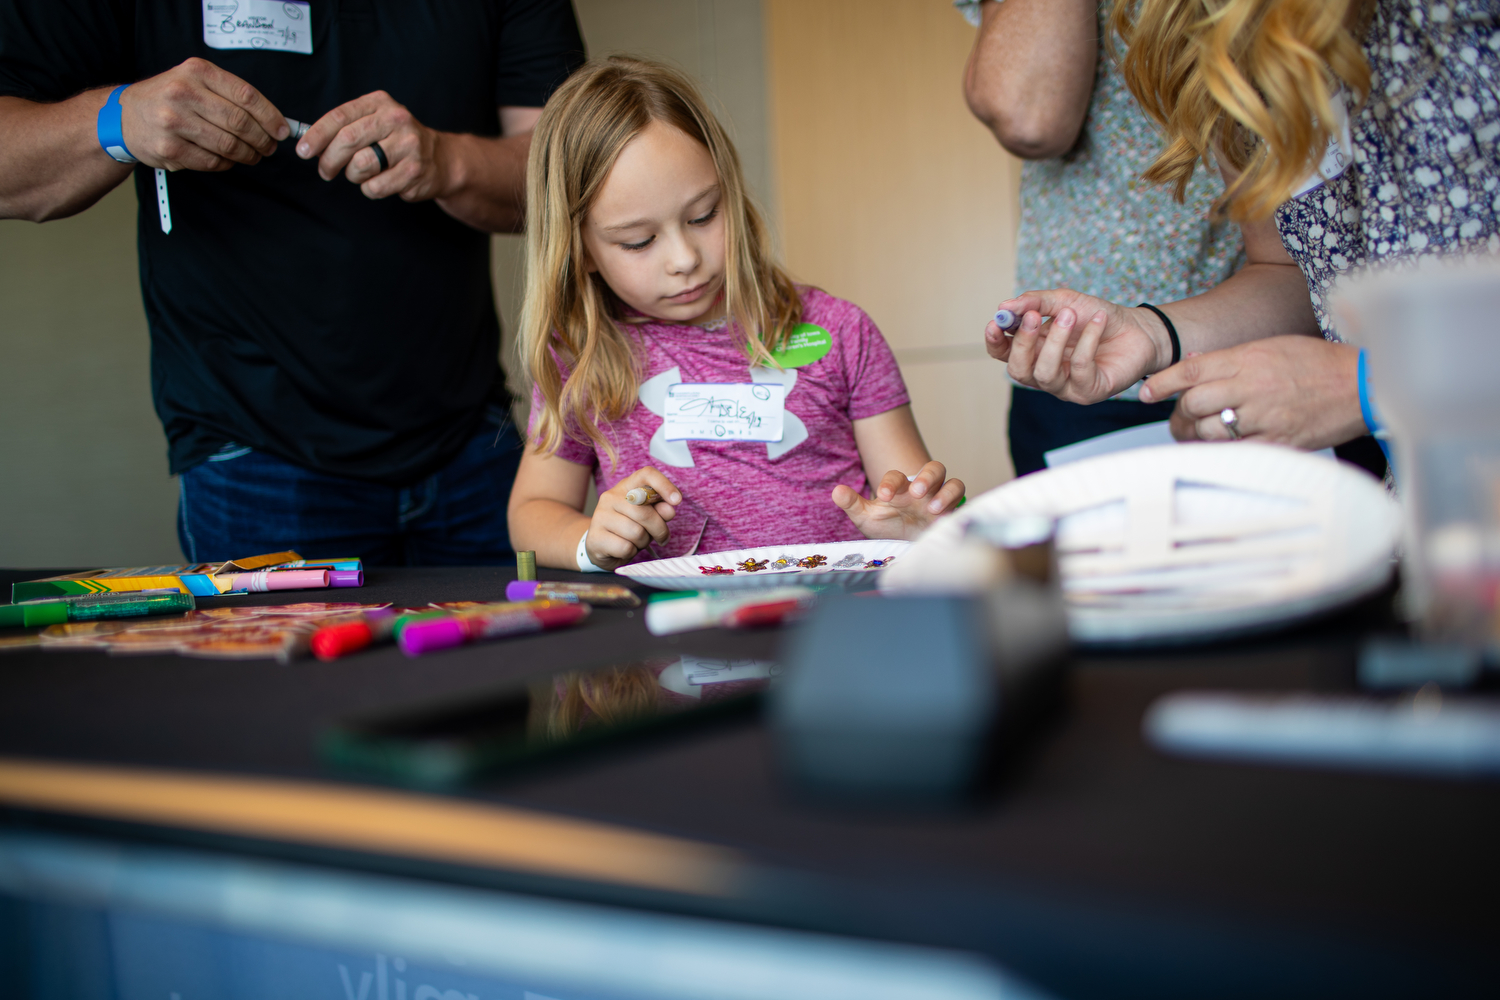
{"x": 903, "y": 506}
{"x": 624, "y": 524}
{"x": 1087, "y": 351}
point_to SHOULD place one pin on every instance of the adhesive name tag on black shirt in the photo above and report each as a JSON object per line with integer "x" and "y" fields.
{"x": 269, "y": 25}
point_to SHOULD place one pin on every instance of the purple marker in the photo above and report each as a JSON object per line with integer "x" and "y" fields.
{"x": 1007, "y": 321}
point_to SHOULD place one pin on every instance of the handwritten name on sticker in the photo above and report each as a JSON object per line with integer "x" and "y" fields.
{"x": 715, "y": 411}
{"x": 269, "y": 25}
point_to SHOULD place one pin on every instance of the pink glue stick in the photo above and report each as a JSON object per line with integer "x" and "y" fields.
{"x": 286, "y": 579}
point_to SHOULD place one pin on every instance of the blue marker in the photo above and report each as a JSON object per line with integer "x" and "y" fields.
{"x": 1007, "y": 321}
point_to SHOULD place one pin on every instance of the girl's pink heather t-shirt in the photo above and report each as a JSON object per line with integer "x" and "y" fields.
{"x": 748, "y": 494}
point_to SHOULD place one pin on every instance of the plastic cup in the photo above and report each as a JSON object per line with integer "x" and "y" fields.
{"x": 1433, "y": 339}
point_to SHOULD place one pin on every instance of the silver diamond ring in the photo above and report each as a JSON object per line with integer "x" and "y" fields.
{"x": 1231, "y": 422}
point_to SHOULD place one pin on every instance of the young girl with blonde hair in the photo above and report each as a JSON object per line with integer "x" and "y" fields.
{"x": 1351, "y": 133}
{"x": 648, "y": 267}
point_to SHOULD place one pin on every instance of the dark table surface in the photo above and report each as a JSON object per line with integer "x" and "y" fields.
{"x": 1099, "y": 867}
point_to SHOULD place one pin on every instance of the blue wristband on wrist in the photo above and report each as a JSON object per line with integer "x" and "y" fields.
{"x": 1367, "y": 405}
{"x": 111, "y": 134}
{"x": 1366, "y": 408}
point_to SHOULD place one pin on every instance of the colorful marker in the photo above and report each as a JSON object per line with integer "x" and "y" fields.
{"x": 526, "y": 565}
{"x": 668, "y": 614}
{"x": 382, "y": 625}
{"x": 333, "y": 641}
{"x": 93, "y": 607}
{"x": 457, "y": 630}
{"x": 642, "y": 495}
{"x": 603, "y": 595}
{"x": 1007, "y": 321}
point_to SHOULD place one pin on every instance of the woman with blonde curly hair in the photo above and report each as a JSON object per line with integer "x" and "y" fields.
{"x": 1350, "y": 133}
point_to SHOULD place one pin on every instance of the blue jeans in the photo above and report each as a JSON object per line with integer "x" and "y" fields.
{"x": 243, "y": 502}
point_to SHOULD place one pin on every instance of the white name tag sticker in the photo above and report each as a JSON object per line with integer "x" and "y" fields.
{"x": 702, "y": 670}
{"x": 724, "y": 411}
{"x": 273, "y": 25}
{"x": 1337, "y": 155}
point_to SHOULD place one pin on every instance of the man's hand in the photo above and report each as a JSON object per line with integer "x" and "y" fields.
{"x": 1298, "y": 390}
{"x": 196, "y": 116}
{"x": 620, "y": 529}
{"x": 902, "y": 508}
{"x": 419, "y": 165}
{"x": 1087, "y": 352}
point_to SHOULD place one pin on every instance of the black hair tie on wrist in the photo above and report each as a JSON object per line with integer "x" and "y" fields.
{"x": 386, "y": 165}
{"x": 1171, "y": 331}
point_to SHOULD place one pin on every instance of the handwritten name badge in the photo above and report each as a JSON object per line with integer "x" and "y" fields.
{"x": 272, "y": 25}
{"x": 719, "y": 411}
{"x": 1339, "y": 152}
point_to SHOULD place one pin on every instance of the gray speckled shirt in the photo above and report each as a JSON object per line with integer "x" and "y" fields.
{"x": 1089, "y": 222}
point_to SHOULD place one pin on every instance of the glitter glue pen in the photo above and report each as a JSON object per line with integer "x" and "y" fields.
{"x": 93, "y": 607}
{"x": 1007, "y": 321}
{"x": 299, "y": 129}
{"x": 642, "y": 495}
{"x": 457, "y": 630}
{"x": 602, "y": 595}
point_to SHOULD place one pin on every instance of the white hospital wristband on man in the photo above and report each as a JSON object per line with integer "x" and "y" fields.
{"x": 585, "y": 564}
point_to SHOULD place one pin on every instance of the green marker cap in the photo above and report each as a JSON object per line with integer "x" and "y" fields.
{"x": 403, "y": 620}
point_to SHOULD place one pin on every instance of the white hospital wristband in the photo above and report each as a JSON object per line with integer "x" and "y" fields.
{"x": 585, "y": 564}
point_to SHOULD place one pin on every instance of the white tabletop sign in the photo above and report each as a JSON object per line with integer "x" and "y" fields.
{"x": 272, "y": 25}
{"x": 725, "y": 411}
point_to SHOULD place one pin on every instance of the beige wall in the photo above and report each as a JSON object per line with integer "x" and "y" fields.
{"x": 83, "y": 462}
{"x": 891, "y": 195}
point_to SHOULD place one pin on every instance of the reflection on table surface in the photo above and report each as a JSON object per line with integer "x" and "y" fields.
{"x": 83, "y": 918}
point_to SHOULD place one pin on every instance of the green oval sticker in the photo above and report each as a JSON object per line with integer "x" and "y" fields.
{"x": 808, "y": 342}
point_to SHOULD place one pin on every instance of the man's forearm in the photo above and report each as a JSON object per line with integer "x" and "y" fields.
{"x": 51, "y": 165}
{"x": 1259, "y": 300}
{"x": 488, "y": 181}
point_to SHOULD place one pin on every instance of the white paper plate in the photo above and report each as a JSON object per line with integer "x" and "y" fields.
{"x": 1190, "y": 542}
{"x": 839, "y": 568}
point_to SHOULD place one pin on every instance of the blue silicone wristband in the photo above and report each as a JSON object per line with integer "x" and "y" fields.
{"x": 1367, "y": 406}
{"x": 111, "y": 134}
{"x": 1366, "y": 410}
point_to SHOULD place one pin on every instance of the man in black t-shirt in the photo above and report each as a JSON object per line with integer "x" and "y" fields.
{"x": 324, "y": 353}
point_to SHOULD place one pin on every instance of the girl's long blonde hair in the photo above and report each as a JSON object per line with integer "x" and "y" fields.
{"x": 1251, "y": 81}
{"x": 570, "y": 318}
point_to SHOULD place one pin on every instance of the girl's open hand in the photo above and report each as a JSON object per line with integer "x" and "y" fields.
{"x": 620, "y": 529}
{"x": 902, "y": 508}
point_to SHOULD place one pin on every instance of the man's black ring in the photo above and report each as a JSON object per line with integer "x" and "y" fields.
{"x": 380, "y": 155}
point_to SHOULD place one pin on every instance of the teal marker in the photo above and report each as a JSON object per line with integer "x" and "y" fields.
{"x": 93, "y": 607}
